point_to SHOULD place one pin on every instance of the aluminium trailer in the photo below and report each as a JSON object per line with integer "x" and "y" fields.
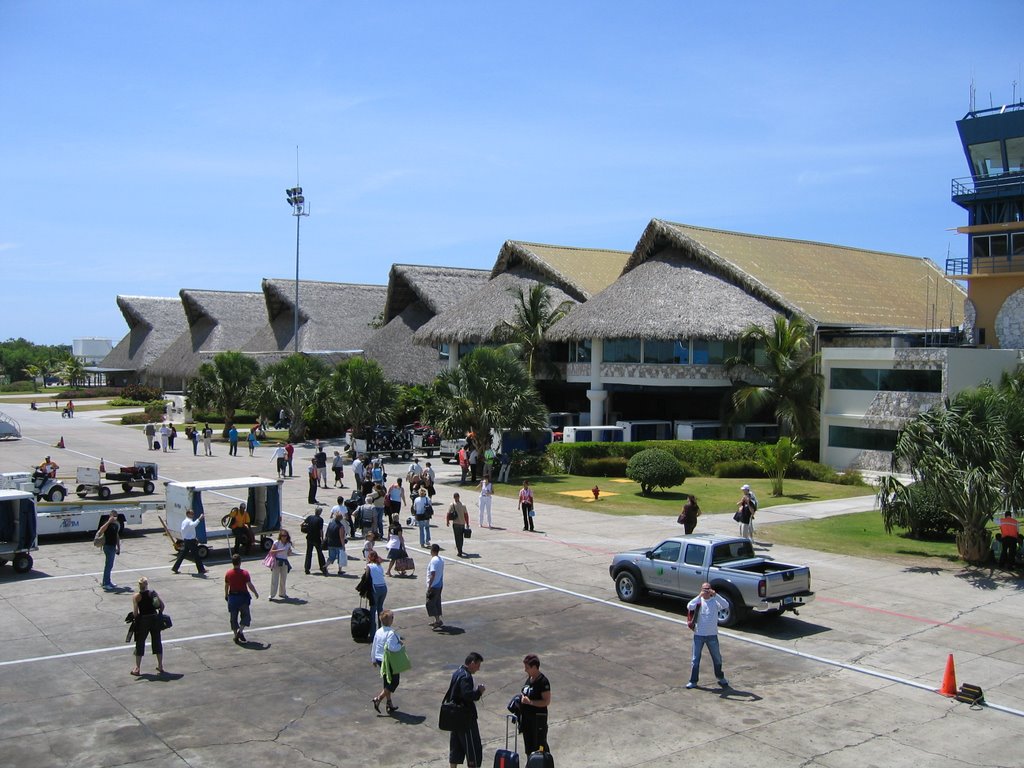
{"x": 263, "y": 498}
{"x": 18, "y": 537}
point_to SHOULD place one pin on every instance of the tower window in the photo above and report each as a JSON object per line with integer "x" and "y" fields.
{"x": 986, "y": 159}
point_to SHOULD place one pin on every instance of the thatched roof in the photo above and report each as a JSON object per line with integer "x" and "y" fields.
{"x": 334, "y": 319}
{"x": 829, "y": 285}
{"x": 478, "y": 318}
{"x": 579, "y": 272}
{"x": 402, "y": 360}
{"x": 438, "y": 289}
{"x": 154, "y": 324}
{"x": 218, "y": 321}
{"x": 666, "y": 298}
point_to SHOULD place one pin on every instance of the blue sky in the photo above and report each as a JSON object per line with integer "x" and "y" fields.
{"x": 147, "y": 146}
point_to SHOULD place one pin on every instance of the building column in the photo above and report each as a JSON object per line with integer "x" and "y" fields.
{"x": 596, "y": 394}
{"x": 453, "y": 355}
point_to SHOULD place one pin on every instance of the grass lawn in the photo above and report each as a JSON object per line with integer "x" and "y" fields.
{"x": 715, "y": 495}
{"x": 860, "y": 534}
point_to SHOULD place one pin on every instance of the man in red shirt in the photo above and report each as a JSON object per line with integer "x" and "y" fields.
{"x": 1011, "y": 537}
{"x": 290, "y": 450}
{"x": 237, "y": 586}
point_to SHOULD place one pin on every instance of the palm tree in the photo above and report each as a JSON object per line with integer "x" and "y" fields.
{"x": 223, "y": 383}
{"x": 534, "y": 316}
{"x": 33, "y": 372}
{"x": 490, "y": 390}
{"x": 71, "y": 369}
{"x": 298, "y": 384}
{"x": 362, "y": 394}
{"x": 790, "y": 384}
{"x": 965, "y": 456}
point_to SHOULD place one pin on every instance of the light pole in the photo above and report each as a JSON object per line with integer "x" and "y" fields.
{"x": 298, "y": 204}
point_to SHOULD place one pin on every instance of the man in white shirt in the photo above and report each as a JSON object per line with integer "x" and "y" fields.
{"x": 357, "y": 471}
{"x": 415, "y": 471}
{"x": 280, "y": 459}
{"x": 706, "y": 605}
{"x": 189, "y": 543}
{"x": 435, "y": 582}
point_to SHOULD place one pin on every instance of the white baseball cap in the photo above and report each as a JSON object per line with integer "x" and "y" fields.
{"x": 744, "y": 487}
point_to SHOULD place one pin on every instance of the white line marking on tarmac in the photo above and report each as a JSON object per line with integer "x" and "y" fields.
{"x": 731, "y": 635}
{"x": 251, "y": 630}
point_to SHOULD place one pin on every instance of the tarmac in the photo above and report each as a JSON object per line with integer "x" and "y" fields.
{"x": 851, "y": 681}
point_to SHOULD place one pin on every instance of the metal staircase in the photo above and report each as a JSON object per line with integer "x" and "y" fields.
{"x": 9, "y": 428}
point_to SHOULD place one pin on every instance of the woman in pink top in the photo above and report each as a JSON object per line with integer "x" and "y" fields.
{"x": 526, "y": 504}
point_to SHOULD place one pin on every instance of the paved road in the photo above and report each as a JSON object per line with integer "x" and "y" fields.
{"x": 844, "y": 684}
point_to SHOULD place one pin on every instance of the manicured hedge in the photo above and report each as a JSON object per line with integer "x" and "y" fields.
{"x": 698, "y": 456}
{"x": 738, "y": 469}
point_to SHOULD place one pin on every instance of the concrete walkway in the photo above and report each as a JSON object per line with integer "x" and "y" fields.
{"x": 849, "y": 682}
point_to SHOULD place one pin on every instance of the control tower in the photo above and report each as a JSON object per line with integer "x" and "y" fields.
{"x": 993, "y": 196}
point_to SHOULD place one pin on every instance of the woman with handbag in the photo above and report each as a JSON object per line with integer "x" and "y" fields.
{"x": 387, "y": 643}
{"x": 279, "y": 553}
{"x": 526, "y": 505}
{"x": 147, "y": 608}
{"x": 379, "y": 586}
{"x": 396, "y": 547}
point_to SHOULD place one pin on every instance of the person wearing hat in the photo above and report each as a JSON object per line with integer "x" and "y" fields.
{"x": 422, "y": 511}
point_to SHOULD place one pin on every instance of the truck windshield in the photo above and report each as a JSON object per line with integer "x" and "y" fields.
{"x": 732, "y": 550}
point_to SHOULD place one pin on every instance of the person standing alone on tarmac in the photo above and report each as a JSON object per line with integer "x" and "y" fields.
{"x": 705, "y": 632}
{"x": 435, "y": 583}
{"x": 458, "y": 519}
{"x": 314, "y": 530}
{"x": 189, "y": 543}
{"x": 111, "y": 531}
{"x": 237, "y": 586}
{"x": 207, "y": 440}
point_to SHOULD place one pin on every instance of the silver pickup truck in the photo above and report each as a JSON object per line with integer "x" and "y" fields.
{"x": 678, "y": 566}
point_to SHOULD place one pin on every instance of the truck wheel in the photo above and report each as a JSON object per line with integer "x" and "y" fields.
{"x": 56, "y": 494}
{"x": 82, "y": 493}
{"x": 22, "y": 562}
{"x": 148, "y": 487}
{"x": 445, "y": 461}
{"x": 202, "y": 551}
{"x": 734, "y": 610}
{"x": 2, "y": 562}
{"x": 266, "y": 544}
{"x": 628, "y": 588}
{"x": 104, "y": 491}
{"x": 126, "y": 487}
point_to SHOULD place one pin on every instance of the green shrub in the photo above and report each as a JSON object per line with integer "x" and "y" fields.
{"x": 740, "y": 468}
{"x": 699, "y": 455}
{"x": 606, "y": 466}
{"x": 85, "y": 393}
{"x": 142, "y": 417}
{"x": 142, "y": 393}
{"x": 528, "y": 463}
{"x": 121, "y": 402}
{"x": 20, "y": 386}
{"x": 812, "y": 470}
{"x": 851, "y": 477}
{"x": 655, "y": 468}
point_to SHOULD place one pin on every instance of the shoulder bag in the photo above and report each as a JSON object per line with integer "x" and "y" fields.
{"x": 453, "y": 716}
{"x": 269, "y": 560}
{"x": 98, "y": 540}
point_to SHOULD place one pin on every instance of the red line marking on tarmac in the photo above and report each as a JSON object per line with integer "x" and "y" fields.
{"x": 922, "y": 620}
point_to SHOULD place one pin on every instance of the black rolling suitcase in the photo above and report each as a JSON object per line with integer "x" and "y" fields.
{"x": 540, "y": 759}
{"x": 362, "y": 624}
{"x": 508, "y": 758}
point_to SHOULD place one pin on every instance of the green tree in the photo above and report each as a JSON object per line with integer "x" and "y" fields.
{"x": 535, "y": 314}
{"x": 655, "y": 468}
{"x": 298, "y": 384}
{"x": 490, "y": 390}
{"x": 71, "y": 370}
{"x": 33, "y": 372}
{"x": 786, "y": 381}
{"x": 968, "y": 457}
{"x": 362, "y": 395}
{"x": 415, "y": 402}
{"x": 776, "y": 460}
{"x": 223, "y": 383}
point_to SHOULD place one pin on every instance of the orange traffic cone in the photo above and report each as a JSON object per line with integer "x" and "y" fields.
{"x": 949, "y": 679}
{"x": 60, "y": 443}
